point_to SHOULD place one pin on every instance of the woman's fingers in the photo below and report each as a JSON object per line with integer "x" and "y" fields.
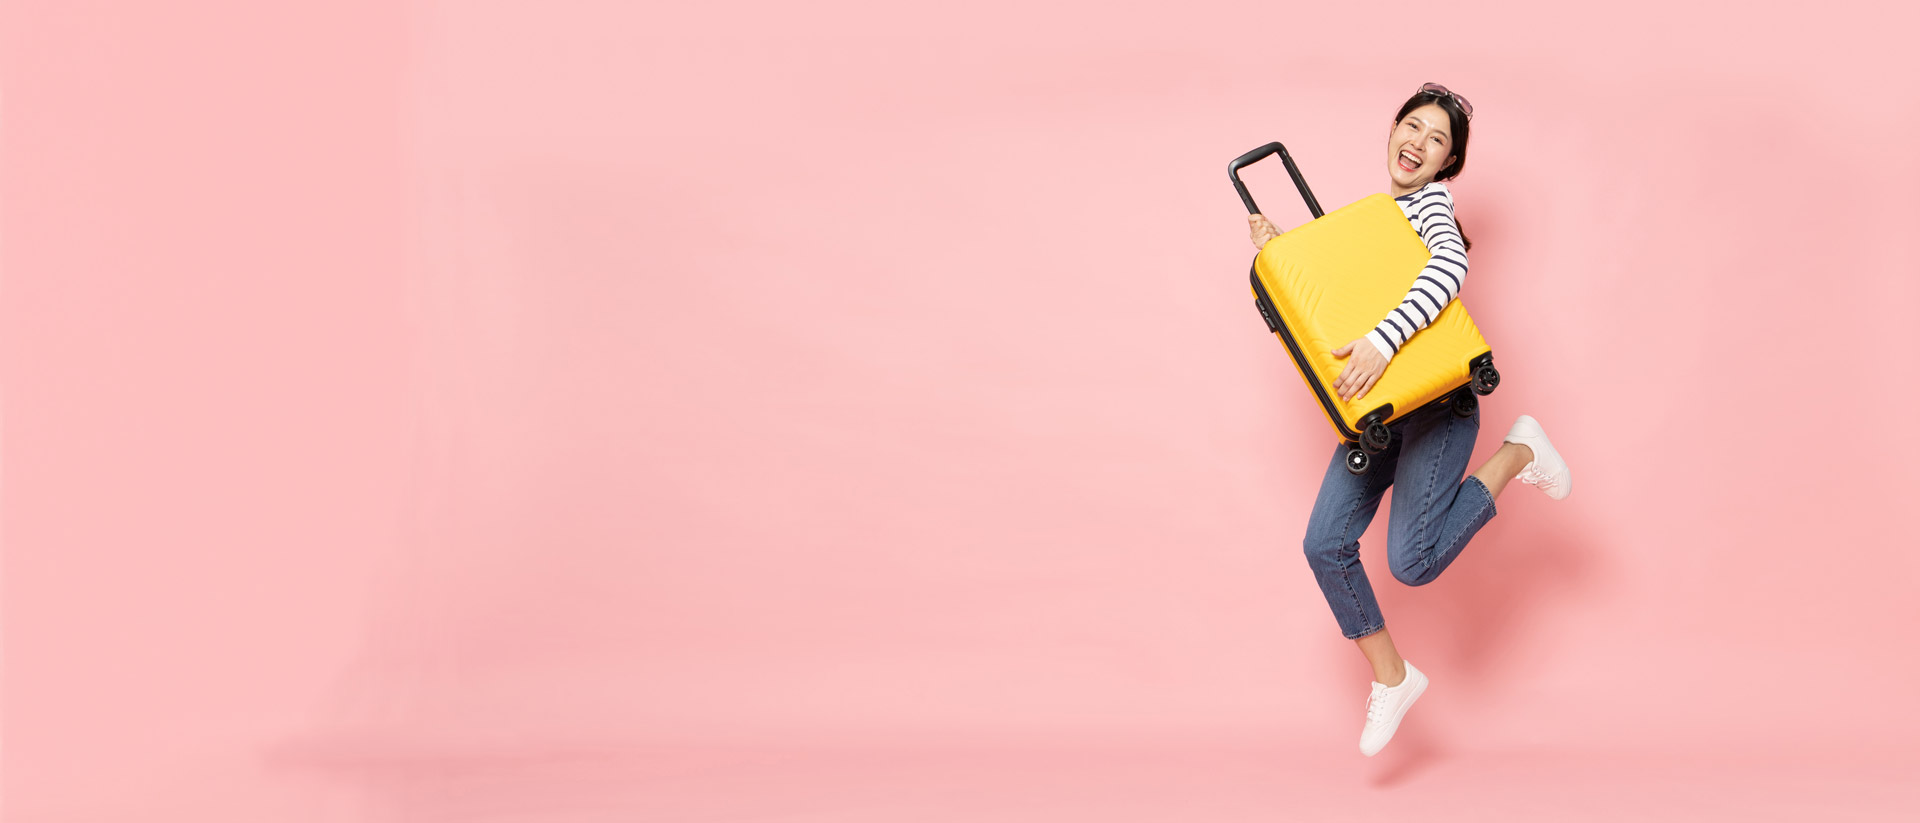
{"x": 1366, "y": 387}
{"x": 1261, "y": 229}
{"x": 1353, "y": 383}
{"x": 1372, "y": 378}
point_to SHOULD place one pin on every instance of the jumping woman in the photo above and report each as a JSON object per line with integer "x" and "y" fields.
{"x": 1435, "y": 512}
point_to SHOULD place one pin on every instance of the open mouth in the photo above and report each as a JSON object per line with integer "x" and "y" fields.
{"x": 1408, "y": 162}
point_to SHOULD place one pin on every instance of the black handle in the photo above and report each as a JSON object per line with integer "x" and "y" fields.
{"x": 1233, "y": 173}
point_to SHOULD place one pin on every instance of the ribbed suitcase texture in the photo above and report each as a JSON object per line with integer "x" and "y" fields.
{"x": 1331, "y": 280}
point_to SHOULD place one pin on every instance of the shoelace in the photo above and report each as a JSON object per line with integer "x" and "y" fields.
{"x": 1376, "y": 706}
{"x": 1532, "y": 475}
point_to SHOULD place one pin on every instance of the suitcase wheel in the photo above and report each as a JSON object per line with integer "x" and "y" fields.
{"x": 1485, "y": 379}
{"x": 1357, "y": 461}
{"x": 1375, "y": 437}
{"x": 1464, "y": 402}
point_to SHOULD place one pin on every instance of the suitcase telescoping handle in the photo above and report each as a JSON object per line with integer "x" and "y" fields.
{"x": 1233, "y": 173}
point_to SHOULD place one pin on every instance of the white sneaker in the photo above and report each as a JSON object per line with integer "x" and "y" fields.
{"x": 1386, "y": 705}
{"x": 1548, "y": 471}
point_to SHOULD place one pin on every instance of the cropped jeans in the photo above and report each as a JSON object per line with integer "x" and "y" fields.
{"x": 1435, "y": 512}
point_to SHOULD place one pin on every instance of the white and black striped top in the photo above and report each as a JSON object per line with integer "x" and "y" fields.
{"x": 1430, "y": 209}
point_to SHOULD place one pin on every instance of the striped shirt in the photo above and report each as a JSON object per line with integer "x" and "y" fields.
{"x": 1430, "y": 209}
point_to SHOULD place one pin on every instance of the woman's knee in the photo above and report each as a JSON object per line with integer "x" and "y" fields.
{"x": 1325, "y": 549}
{"x": 1409, "y": 562}
{"x": 1415, "y": 574}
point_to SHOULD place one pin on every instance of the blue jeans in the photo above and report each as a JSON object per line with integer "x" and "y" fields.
{"x": 1435, "y": 513}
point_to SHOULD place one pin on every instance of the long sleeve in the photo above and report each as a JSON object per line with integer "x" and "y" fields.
{"x": 1431, "y": 212}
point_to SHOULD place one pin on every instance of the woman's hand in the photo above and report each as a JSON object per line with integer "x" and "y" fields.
{"x": 1263, "y": 230}
{"x": 1364, "y": 367}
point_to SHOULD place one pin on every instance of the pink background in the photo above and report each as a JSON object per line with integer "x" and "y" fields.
{"x": 598, "y": 411}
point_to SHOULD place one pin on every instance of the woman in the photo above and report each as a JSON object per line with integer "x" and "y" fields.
{"x": 1435, "y": 512}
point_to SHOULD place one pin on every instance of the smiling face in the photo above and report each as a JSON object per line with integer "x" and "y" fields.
{"x": 1419, "y": 147}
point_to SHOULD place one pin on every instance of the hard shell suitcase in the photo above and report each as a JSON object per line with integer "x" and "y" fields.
{"x": 1328, "y": 282}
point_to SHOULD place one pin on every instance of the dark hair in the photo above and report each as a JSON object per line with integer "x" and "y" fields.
{"x": 1458, "y": 128}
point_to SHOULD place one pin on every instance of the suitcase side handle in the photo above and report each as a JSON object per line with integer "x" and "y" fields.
{"x": 1233, "y": 173}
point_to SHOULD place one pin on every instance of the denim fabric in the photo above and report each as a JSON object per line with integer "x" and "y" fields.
{"x": 1435, "y": 512}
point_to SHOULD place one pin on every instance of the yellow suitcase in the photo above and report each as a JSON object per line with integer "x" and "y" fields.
{"x": 1327, "y": 283}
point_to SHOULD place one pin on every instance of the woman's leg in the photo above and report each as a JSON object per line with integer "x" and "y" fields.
{"x": 1344, "y": 507}
{"x": 1502, "y": 466}
{"x": 1435, "y": 512}
{"x": 1388, "y": 666}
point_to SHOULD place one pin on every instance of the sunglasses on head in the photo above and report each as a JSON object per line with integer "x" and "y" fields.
{"x": 1438, "y": 90}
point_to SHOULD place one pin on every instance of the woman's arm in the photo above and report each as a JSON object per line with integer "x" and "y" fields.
{"x": 1438, "y": 284}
